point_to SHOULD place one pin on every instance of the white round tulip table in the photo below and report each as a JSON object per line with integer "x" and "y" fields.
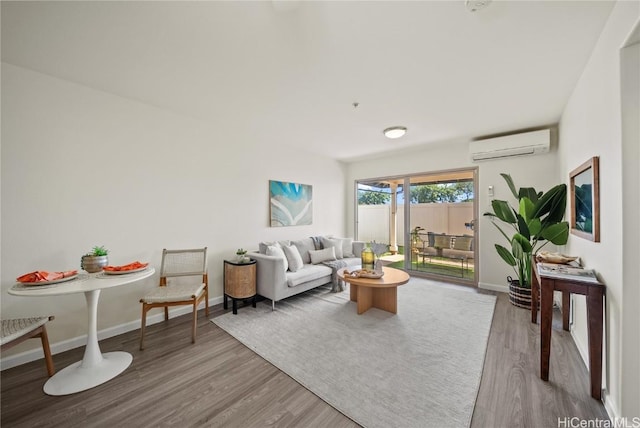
{"x": 95, "y": 368}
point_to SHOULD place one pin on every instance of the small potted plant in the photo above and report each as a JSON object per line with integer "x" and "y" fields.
{"x": 95, "y": 260}
{"x": 535, "y": 222}
{"x": 241, "y": 253}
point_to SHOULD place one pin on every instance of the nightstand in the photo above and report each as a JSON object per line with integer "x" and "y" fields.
{"x": 239, "y": 282}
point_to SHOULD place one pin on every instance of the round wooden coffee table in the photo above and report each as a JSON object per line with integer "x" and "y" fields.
{"x": 378, "y": 293}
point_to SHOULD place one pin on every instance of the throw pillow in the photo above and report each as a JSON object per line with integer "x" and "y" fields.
{"x": 335, "y": 243}
{"x": 317, "y": 242}
{"x": 262, "y": 246}
{"x": 293, "y": 258}
{"x": 304, "y": 246}
{"x": 319, "y": 256}
{"x": 462, "y": 243}
{"x": 276, "y": 251}
{"x": 442, "y": 241}
{"x": 347, "y": 247}
{"x": 358, "y": 246}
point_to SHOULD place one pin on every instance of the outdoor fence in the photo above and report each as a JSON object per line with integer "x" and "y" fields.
{"x": 449, "y": 218}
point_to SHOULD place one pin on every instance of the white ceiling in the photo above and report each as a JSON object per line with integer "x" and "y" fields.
{"x": 288, "y": 73}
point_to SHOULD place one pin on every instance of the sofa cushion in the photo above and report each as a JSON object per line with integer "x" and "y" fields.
{"x": 276, "y": 251}
{"x": 262, "y": 246}
{"x": 333, "y": 242}
{"x": 462, "y": 243}
{"x": 304, "y": 246}
{"x": 442, "y": 241}
{"x": 307, "y": 273}
{"x": 319, "y": 256}
{"x": 293, "y": 257}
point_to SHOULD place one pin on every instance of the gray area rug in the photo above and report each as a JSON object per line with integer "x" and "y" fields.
{"x": 419, "y": 368}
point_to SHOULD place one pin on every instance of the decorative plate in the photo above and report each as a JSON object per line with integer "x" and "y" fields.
{"x": 55, "y": 281}
{"x": 123, "y": 272}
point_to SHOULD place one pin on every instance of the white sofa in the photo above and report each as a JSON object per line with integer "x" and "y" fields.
{"x": 278, "y": 278}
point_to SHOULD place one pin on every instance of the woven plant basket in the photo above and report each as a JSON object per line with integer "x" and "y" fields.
{"x": 519, "y": 296}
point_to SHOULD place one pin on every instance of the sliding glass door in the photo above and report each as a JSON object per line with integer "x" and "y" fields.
{"x": 428, "y": 221}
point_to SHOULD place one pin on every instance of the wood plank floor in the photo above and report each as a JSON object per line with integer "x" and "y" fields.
{"x": 218, "y": 382}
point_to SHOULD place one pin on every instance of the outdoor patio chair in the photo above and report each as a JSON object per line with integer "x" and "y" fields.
{"x": 183, "y": 281}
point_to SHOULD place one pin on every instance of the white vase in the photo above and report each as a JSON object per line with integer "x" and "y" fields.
{"x": 377, "y": 267}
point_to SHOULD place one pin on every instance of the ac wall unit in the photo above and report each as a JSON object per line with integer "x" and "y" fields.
{"x": 526, "y": 143}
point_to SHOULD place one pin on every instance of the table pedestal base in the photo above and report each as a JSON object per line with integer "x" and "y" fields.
{"x": 368, "y": 297}
{"x": 76, "y": 378}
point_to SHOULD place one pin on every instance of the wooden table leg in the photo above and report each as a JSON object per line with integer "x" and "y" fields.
{"x": 365, "y": 299}
{"x": 386, "y": 299}
{"x": 353, "y": 292}
{"x": 546, "y": 316}
{"x": 566, "y": 309}
{"x": 594, "y": 316}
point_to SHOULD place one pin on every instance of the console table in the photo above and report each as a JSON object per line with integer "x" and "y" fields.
{"x": 544, "y": 287}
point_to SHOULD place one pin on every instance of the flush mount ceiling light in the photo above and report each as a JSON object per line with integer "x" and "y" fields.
{"x": 395, "y": 132}
{"x": 475, "y": 5}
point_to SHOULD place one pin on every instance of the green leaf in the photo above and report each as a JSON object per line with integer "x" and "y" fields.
{"x": 529, "y": 193}
{"x": 557, "y": 233}
{"x": 523, "y": 243}
{"x": 526, "y": 208}
{"x": 535, "y": 226}
{"x": 516, "y": 249}
{"x": 558, "y": 207}
{"x": 506, "y": 255}
{"x": 552, "y": 200}
{"x": 523, "y": 227}
{"x": 503, "y": 211}
{"x": 512, "y": 187}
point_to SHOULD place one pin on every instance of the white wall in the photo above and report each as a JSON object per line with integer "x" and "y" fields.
{"x": 82, "y": 168}
{"x": 630, "y": 363}
{"x": 535, "y": 171}
{"x": 591, "y": 126}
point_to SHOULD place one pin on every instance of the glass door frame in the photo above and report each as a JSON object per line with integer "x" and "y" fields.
{"x": 406, "y": 233}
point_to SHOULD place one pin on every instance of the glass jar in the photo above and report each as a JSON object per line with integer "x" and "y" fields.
{"x": 367, "y": 258}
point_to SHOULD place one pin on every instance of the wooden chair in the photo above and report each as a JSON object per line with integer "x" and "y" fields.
{"x": 16, "y": 331}
{"x": 174, "y": 290}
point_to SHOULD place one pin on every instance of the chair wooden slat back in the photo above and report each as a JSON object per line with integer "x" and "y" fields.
{"x": 179, "y": 263}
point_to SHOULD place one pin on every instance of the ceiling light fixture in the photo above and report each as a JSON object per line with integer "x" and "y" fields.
{"x": 395, "y": 132}
{"x": 475, "y": 5}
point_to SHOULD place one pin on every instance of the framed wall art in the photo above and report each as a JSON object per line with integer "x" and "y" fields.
{"x": 290, "y": 204}
{"x": 584, "y": 186}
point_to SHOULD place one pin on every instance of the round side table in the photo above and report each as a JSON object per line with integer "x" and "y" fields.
{"x": 239, "y": 282}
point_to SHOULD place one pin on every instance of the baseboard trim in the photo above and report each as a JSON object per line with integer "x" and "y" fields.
{"x": 583, "y": 350}
{"x": 610, "y": 406}
{"x": 77, "y": 342}
{"x": 493, "y": 287}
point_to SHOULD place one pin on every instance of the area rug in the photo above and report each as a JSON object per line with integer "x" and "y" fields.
{"x": 419, "y": 368}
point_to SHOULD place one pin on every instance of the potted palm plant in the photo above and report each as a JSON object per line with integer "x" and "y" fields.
{"x": 536, "y": 222}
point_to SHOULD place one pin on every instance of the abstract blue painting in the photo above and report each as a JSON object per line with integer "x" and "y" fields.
{"x": 291, "y": 204}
